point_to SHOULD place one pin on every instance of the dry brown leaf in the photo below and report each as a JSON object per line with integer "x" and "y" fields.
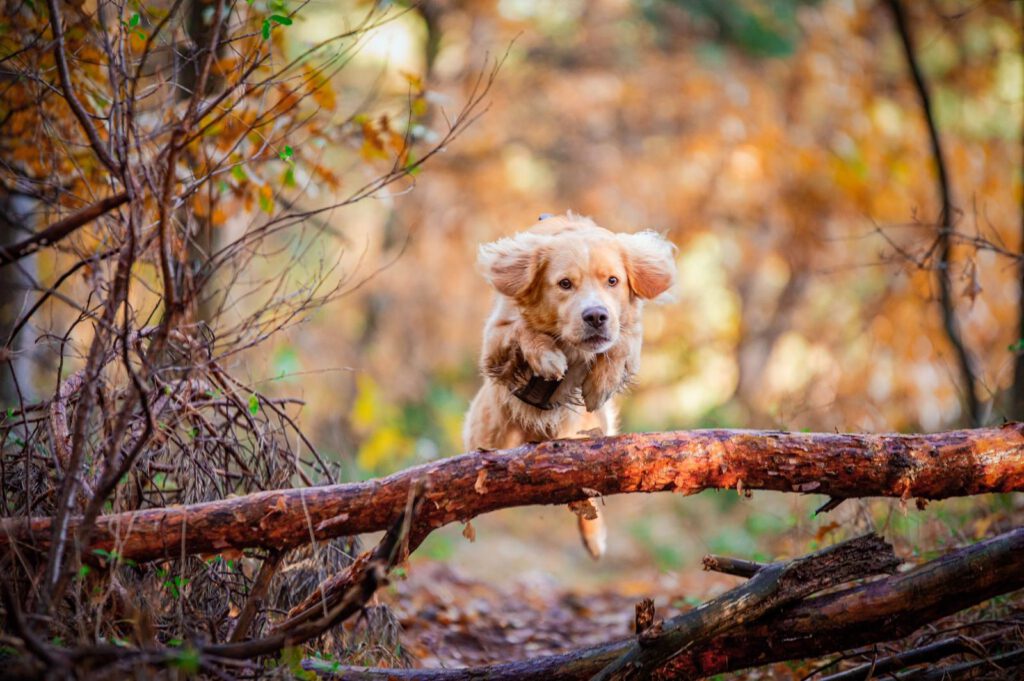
{"x": 973, "y": 287}
{"x": 825, "y": 529}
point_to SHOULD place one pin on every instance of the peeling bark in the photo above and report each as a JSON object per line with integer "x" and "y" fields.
{"x": 937, "y": 466}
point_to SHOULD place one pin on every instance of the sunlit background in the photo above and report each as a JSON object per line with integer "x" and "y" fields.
{"x": 780, "y": 145}
{"x": 783, "y": 150}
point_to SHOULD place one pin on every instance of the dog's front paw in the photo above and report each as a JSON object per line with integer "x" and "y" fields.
{"x": 549, "y": 364}
{"x": 544, "y": 357}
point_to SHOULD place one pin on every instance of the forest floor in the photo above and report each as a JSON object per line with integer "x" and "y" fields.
{"x": 451, "y": 620}
{"x": 524, "y": 588}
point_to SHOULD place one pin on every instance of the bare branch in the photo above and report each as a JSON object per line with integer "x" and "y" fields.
{"x": 69, "y": 91}
{"x": 60, "y": 229}
{"x": 948, "y": 306}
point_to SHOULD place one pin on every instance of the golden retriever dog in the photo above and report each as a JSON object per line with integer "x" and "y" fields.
{"x": 564, "y": 334}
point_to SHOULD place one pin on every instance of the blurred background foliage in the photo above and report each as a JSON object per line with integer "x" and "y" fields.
{"x": 779, "y": 144}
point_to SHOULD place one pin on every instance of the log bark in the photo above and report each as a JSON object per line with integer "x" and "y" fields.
{"x": 884, "y": 610}
{"x": 936, "y": 466}
{"x": 773, "y": 586}
{"x": 930, "y": 653}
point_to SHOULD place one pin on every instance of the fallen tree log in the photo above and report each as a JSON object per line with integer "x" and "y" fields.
{"x": 884, "y": 610}
{"x": 927, "y": 654}
{"x": 935, "y": 466}
{"x": 770, "y": 588}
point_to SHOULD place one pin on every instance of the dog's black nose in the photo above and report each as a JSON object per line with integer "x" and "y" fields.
{"x": 596, "y": 316}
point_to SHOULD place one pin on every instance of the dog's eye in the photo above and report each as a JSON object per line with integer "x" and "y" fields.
{"x": 566, "y": 284}
{"x": 612, "y": 281}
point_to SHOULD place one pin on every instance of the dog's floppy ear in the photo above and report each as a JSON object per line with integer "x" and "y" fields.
{"x": 650, "y": 263}
{"x": 512, "y": 264}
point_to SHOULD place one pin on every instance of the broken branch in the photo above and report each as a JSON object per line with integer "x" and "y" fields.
{"x": 772, "y": 587}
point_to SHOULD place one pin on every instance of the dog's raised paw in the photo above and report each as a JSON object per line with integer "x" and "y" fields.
{"x": 548, "y": 364}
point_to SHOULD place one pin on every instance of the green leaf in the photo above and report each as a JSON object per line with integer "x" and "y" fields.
{"x": 83, "y": 571}
{"x": 265, "y": 31}
{"x": 284, "y": 21}
{"x": 291, "y": 657}
{"x": 289, "y": 177}
{"x": 187, "y": 660}
{"x": 286, "y": 153}
{"x": 412, "y": 166}
{"x": 238, "y": 172}
{"x": 1017, "y": 347}
{"x": 254, "y": 404}
{"x": 134, "y": 21}
{"x": 266, "y": 201}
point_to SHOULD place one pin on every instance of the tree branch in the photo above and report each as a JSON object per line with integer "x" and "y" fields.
{"x": 60, "y": 229}
{"x": 920, "y": 655}
{"x": 949, "y": 318}
{"x": 69, "y": 91}
{"x": 731, "y": 566}
{"x": 936, "y": 466}
{"x": 369, "y": 573}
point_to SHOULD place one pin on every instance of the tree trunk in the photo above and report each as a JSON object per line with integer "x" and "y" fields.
{"x": 16, "y": 228}
{"x": 936, "y": 466}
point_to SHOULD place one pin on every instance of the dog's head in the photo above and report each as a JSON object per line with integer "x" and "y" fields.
{"x": 579, "y": 282}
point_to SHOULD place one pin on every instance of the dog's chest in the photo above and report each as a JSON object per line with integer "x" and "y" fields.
{"x": 566, "y": 407}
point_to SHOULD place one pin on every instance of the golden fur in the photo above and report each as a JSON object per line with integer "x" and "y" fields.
{"x": 550, "y": 280}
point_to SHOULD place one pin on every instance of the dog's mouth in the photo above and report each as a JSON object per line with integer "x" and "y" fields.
{"x": 596, "y": 342}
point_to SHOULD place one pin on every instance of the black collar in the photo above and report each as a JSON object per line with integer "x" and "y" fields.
{"x": 537, "y": 393}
